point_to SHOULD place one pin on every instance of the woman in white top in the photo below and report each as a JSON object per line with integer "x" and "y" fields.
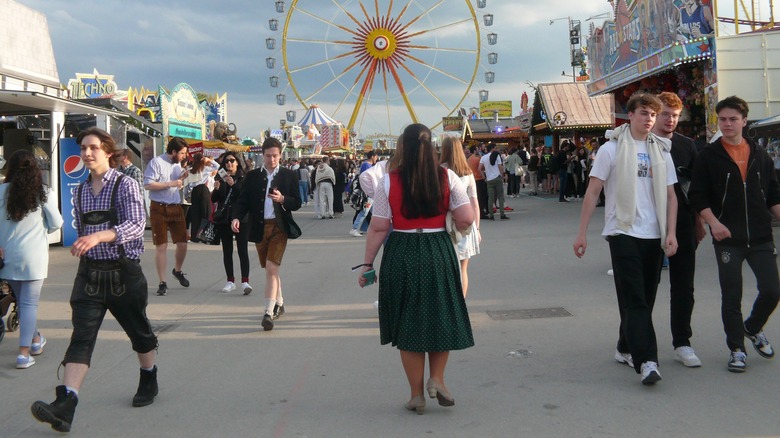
{"x": 28, "y": 212}
{"x": 198, "y": 186}
{"x": 453, "y": 158}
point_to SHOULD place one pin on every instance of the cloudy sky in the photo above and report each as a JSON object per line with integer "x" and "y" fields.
{"x": 219, "y": 47}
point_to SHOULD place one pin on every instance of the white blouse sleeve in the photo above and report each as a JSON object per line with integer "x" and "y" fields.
{"x": 458, "y": 194}
{"x": 471, "y": 186}
{"x": 381, "y": 207}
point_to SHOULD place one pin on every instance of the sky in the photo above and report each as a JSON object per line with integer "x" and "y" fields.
{"x": 219, "y": 47}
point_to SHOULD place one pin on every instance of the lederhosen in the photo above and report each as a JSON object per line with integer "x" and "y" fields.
{"x": 118, "y": 286}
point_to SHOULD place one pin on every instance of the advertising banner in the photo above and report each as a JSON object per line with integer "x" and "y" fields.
{"x": 452, "y": 123}
{"x": 489, "y": 108}
{"x": 642, "y": 29}
{"x": 73, "y": 173}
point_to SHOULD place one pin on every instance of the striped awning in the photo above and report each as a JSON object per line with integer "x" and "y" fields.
{"x": 315, "y": 116}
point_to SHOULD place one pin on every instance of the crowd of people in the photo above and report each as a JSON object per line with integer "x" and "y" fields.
{"x": 423, "y": 209}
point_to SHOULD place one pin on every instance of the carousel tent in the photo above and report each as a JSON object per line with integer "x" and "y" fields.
{"x": 315, "y": 116}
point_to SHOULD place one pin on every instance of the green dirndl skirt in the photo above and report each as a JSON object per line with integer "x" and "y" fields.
{"x": 421, "y": 304}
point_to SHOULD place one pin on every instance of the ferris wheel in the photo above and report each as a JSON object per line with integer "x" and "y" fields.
{"x": 380, "y": 64}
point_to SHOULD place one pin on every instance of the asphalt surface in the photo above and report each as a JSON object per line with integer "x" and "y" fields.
{"x": 322, "y": 372}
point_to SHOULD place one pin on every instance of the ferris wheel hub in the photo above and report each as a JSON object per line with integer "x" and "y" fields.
{"x": 381, "y": 43}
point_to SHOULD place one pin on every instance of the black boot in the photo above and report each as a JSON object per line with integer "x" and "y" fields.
{"x": 59, "y": 413}
{"x": 147, "y": 388}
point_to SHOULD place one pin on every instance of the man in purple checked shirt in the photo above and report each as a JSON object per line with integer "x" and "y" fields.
{"x": 109, "y": 277}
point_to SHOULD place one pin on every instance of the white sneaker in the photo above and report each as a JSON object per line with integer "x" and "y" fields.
{"x": 376, "y": 305}
{"x": 247, "y": 288}
{"x": 24, "y": 362}
{"x": 687, "y": 357}
{"x": 624, "y": 358}
{"x": 229, "y": 287}
{"x": 650, "y": 374}
{"x": 610, "y": 272}
{"x": 354, "y": 233}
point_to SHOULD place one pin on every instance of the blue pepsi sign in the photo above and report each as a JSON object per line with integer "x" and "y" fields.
{"x": 73, "y": 172}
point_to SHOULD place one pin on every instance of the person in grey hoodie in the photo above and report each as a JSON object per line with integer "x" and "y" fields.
{"x": 325, "y": 180}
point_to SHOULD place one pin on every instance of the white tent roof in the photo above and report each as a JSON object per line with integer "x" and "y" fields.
{"x": 316, "y": 116}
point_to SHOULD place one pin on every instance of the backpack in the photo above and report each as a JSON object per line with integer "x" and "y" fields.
{"x": 358, "y": 198}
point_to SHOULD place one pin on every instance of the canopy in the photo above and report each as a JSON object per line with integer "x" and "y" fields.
{"x": 315, "y": 116}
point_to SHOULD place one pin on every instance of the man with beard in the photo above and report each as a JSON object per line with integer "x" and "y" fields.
{"x": 163, "y": 179}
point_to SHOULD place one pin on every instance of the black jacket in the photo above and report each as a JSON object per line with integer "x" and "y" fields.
{"x": 252, "y": 199}
{"x": 742, "y": 208}
{"x": 219, "y": 196}
{"x": 684, "y": 157}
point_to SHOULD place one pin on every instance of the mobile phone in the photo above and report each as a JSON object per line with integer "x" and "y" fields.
{"x": 271, "y": 190}
{"x": 370, "y": 277}
{"x": 222, "y": 173}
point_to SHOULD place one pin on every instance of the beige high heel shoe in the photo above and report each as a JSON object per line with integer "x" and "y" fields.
{"x": 439, "y": 392}
{"x": 417, "y": 403}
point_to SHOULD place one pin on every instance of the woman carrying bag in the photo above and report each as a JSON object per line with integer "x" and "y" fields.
{"x": 226, "y": 190}
{"x": 28, "y": 212}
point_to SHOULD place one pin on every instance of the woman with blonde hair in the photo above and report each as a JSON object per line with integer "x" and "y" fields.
{"x": 422, "y": 311}
{"x": 453, "y": 158}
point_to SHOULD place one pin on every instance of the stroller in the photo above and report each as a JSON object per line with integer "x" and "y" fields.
{"x": 7, "y": 299}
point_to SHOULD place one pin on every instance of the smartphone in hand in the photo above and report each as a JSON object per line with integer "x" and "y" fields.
{"x": 370, "y": 277}
{"x": 222, "y": 173}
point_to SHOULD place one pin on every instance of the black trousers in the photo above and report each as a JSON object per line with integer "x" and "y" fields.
{"x": 636, "y": 264}
{"x": 482, "y": 198}
{"x": 225, "y": 235}
{"x": 682, "y": 266}
{"x": 762, "y": 261}
{"x": 200, "y": 209}
{"x": 117, "y": 286}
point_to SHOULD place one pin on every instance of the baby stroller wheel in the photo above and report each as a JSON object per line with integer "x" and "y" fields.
{"x": 13, "y": 320}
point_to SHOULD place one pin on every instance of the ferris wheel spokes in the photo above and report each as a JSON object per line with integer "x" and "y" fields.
{"x": 454, "y": 23}
{"x": 335, "y": 78}
{"x": 329, "y": 23}
{"x": 414, "y": 20}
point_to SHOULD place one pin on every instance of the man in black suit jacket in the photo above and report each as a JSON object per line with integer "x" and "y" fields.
{"x": 270, "y": 195}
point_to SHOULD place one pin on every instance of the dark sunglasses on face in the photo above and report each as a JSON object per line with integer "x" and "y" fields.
{"x": 230, "y": 161}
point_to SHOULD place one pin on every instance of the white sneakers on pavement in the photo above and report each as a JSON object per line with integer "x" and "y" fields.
{"x": 687, "y": 357}
{"x": 650, "y": 374}
{"x": 354, "y": 233}
{"x": 229, "y": 287}
{"x": 246, "y": 287}
{"x": 624, "y": 358}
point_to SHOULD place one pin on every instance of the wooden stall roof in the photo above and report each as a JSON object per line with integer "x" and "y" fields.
{"x": 580, "y": 110}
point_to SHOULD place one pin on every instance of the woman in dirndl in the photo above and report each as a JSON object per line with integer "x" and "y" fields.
{"x": 421, "y": 304}
{"x": 453, "y": 158}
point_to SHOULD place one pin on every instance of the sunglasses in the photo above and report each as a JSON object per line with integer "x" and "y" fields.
{"x": 230, "y": 161}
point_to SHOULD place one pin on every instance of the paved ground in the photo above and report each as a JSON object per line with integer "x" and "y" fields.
{"x": 322, "y": 373}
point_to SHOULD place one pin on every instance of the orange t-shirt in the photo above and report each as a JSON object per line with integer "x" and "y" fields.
{"x": 740, "y": 154}
{"x": 474, "y": 166}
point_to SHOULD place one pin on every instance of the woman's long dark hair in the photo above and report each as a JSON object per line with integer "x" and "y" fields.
{"x": 239, "y": 166}
{"x": 26, "y": 192}
{"x": 421, "y": 176}
{"x": 198, "y": 163}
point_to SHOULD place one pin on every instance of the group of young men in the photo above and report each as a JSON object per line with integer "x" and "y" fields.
{"x": 659, "y": 194}
{"x": 110, "y": 220}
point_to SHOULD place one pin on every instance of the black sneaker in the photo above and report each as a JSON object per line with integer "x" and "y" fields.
{"x": 737, "y": 362}
{"x": 761, "y": 344}
{"x": 58, "y": 413}
{"x": 268, "y": 322}
{"x": 504, "y": 217}
{"x": 278, "y": 311}
{"x": 180, "y": 276}
{"x": 162, "y": 289}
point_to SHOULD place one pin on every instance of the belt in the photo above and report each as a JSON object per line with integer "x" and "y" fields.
{"x": 102, "y": 264}
{"x": 164, "y": 204}
{"x": 420, "y": 230}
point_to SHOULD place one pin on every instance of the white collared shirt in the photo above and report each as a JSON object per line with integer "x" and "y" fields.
{"x": 268, "y": 209}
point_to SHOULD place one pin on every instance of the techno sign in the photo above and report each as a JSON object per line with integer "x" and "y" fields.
{"x": 92, "y": 86}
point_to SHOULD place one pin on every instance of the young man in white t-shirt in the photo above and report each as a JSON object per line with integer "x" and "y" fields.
{"x": 636, "y": 221}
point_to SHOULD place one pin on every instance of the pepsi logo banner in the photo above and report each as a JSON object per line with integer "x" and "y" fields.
{"x": 73, "y": 173}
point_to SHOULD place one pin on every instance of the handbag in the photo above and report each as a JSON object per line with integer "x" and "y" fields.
{"x": 208, "y": 233}
{"x": 221, "y": 214}
{"x": 455, "y": 234}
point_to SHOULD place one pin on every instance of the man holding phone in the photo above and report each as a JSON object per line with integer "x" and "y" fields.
{"x": 270, "y": 193}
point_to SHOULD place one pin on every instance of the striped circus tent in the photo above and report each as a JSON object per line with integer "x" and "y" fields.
{"x": 315, "y": 116}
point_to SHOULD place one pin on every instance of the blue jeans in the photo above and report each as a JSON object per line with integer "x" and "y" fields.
{"x": 303, "y": 187}
{"x": 27, "y": 295}
{"x": 360, "y": 220}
